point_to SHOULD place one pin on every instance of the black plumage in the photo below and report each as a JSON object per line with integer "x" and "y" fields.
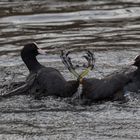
{"x": 42, "y": 81}
{"x": 112, "y": 87}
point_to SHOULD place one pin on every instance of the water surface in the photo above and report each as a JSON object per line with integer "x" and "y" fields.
{"x": 111, "y": 29}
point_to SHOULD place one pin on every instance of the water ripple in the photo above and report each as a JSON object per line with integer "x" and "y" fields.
{"x": 109, "y": 28}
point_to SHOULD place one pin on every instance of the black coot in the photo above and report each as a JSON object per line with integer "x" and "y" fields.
{"x": 134, "y": 85}
{"x": 108, "y": 88}
{"x": 111, "y": 87}
{"x": 42, "y": 81}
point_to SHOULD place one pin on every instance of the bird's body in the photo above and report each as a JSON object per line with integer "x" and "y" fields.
{"x": 112, "y": 87}
{"x": 49, "y": 82}
{"x": 134, "y": 85}
{"x": 108, "y": 88}
{"x": 42, "y": 81}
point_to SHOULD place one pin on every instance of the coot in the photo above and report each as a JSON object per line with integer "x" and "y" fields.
{"x": 134, "y": 85}
{"x": 111, "y": 87}
{"x": 42, "y": 81}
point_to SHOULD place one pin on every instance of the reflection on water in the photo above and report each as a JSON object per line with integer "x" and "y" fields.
{"x": 110, "y": 28}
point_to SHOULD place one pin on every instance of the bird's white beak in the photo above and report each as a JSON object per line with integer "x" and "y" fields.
{"x": 133, "y": 61}
{"x": 40, "y": 51}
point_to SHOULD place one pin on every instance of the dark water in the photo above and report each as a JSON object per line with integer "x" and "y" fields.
{"x": 111, "y": 28}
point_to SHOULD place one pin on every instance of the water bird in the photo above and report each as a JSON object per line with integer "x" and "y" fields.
{"x": 42, "y": 81}
{"x": 134, "y": 85}
{"x": 111, "y": 87}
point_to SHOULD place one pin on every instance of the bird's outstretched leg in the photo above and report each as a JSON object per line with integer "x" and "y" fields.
{"x": 90, "y": 59}
{"x": 91, "y": 63}
{"x": 68, "y": 63}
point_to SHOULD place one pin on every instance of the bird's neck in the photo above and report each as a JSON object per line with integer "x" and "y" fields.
{"x": 32, "y": 64}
